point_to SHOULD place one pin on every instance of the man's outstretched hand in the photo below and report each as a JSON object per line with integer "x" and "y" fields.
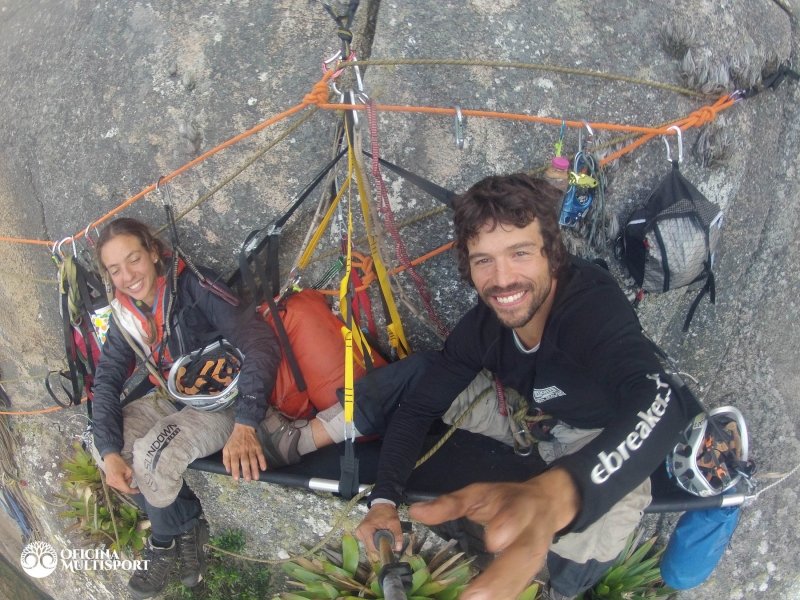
{"x": 521, "y": 520}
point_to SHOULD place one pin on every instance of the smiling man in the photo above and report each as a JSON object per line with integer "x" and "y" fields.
{"x": 558, "y": 331}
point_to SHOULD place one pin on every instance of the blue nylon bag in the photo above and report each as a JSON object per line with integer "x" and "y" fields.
{"x": 696, "y": 545}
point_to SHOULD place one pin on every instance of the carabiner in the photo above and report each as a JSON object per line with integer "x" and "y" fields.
{"x": 680, "y": 144}
{"x": 520, "y": 451}
{"x": 459, "y": 128}
{"x": 330, "y": 61}
{"x": 74, "y": 249}
{"x": 335, "y": 59}
{"x": 589, "y": 138}
{"x": 168, "y": 202}
{"x": 354, "y": 111}
{"x": 88, "y": 237}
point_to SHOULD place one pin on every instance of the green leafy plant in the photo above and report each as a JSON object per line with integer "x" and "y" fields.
{"x": 102, "y": 515}
{"x": 338, "y": 573}
{"x": 636, "y": 574}
{"x": 226, "y": 577}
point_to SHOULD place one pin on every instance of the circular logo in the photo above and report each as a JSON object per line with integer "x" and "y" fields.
{"x": 39, "y": 559}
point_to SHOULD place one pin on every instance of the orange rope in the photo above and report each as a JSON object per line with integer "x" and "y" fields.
{"x": 424, "y": 257}
{"x": 530, "y": 118}
{"x": 369, "y": 275}
{"x": 24, "y": 241}
{"x": 34, "y": 412}
{"x": 319, "y": 97}
{"x": 197, "y": 161}
{"x": 704, "y": 115}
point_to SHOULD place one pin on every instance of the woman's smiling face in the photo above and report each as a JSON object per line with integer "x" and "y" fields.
{"x": 131, "y": 267}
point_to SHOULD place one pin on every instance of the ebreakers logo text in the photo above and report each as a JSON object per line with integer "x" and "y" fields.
{"x": 612, "y": 462}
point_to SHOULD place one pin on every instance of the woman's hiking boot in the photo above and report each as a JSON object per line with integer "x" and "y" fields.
{"x": 279, "y": 436}
{"x": 149, "y": 582}
{"x": 192, "y": 558}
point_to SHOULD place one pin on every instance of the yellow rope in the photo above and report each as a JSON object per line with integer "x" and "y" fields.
{"x": 519, "y": 65}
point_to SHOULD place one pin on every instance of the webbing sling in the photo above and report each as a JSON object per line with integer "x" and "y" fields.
{"x": 271, "y": 240}
{"x": 348, "y": 479}
{"x": 283, "y": 337}
{"x": 312, "y": 244}
{"x": 394, "y": 326}
{"x": 346, "y": 305}
{"x": 443, "y": 195}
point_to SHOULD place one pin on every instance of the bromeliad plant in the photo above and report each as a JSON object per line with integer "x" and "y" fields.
{"x": 102, "y": 515}
{"x": 338, "y": 574}
{"x": 633, "y": 576}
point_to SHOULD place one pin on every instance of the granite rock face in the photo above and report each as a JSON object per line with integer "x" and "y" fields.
{"x": 97, "y": 102}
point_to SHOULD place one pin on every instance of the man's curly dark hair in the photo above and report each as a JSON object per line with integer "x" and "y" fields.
{"x": 509, "y": 200}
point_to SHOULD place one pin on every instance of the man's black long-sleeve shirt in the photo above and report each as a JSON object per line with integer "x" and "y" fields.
{"x": 593, "y": 369}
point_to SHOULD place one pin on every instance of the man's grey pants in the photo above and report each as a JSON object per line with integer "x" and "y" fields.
{"x": 159, "y": 443}
{"x": 577, "y": 560}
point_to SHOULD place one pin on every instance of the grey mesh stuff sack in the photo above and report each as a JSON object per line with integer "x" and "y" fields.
{"x": 670, "y": 242}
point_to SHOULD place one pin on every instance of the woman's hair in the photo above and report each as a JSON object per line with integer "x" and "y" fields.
{"x": 508, "y": 200}
{"x": 141, "y": 231}
{"x": 134, "y": 227}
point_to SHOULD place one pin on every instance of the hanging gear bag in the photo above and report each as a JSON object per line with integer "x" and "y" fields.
{"x": 670, "y": 242}
{"x": 85, "y": 316}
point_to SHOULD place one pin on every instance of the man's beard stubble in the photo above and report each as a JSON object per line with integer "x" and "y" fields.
{"x": 538, "y": 295}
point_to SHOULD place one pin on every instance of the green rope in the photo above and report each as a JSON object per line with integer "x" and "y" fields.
{"x": 26, "y": 278}
{"x": 520, "y": 414}
{"x": 519, "y": 65}
{"x": 29, "y": 378}
{"x": 330, "y": 274}
{"x": 238, "y": 171}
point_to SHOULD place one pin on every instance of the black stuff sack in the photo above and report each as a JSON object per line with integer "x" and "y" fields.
{"x": 670, "y": 242}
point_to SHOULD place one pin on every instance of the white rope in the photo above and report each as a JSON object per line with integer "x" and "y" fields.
{"x": 774, "y": 483}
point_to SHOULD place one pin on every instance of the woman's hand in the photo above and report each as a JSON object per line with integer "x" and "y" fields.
{"x": 243, "y": 448}
{"x": 119, "y": 474}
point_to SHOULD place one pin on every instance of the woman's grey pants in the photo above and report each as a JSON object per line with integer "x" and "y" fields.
{"x": 159, "y": 443}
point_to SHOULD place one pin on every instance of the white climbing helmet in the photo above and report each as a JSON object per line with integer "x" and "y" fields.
{"x": 710, "y": 459}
